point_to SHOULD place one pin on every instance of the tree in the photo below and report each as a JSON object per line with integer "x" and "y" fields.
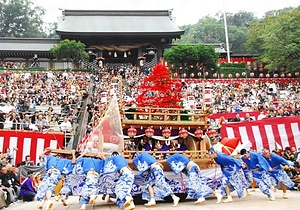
{"x": 50, "y": 30}
{"x": 191, "y": 58}
{"x": 21, "y": 19}
{"x": 211, "y": 30}
{"x": 70, "y": 51}
{"x": 159, "y": 90}
{"x": 277, "y": 38}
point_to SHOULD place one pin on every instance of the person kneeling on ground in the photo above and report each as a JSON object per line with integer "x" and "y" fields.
{"x": 28, "y": 190}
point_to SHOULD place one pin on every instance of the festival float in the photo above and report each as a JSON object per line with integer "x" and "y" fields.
{"x": 158, "y": 114}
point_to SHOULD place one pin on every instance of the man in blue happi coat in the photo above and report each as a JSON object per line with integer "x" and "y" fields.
{"x": 260, "y": 169}
{"x": 197, "y": 187}
{"x": 156, "y": 186}
{"x": 55, "y": 167}
{"x": 275, "y": 161}
{"x": 118, "y": 164}
{"x": 91, "y": 167}
{"x": 233, "y": 176}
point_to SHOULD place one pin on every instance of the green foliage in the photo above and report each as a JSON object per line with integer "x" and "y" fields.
{"x": 233, "y": 68}
{"x": 70, "y": 51}
{"x": 277, "y": 40}
{"x": 211, "y": 30}
{"x": 21, "y": 19}
{"x": 197, "y": 56}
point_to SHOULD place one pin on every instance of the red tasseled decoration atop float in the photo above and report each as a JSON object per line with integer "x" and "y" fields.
{"x": 159, "y": 90}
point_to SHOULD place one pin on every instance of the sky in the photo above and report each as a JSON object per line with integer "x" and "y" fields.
{"x": 184, "y": 11}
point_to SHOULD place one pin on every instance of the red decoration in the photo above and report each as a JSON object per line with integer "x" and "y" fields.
{"x": 183, "y": 133}
{"x": 166, "y": 133}
{"x": 275, "y": 75}
{"x": 198, "y": 133}
{"x": 206, "y": 73}
{"x": 229, "y": 75}
{"x": 131, "y": 132}
{"x": 289, "y": 75}
{"x": 215, "y": 75}
{"x": 192, "y": 75}
{"x": 199, "y": 74}
{"x": 175, "y": 74}
{"x": 268, "y": 75}
{"x": 282, "y": 75}
{"x": 167, "y": 91}
{"x": 211, "y": 132}
{"x": 222, "y": 75}
{"x": 261, "y": 75}
{"x": 237, "y": 75}
{"x": 229, "y": 145}
{"x": 244, "y": 74}
{"x": 251, "y": 74}
{"x": 149, "y": 132}
{"x": 184, "y": 75}
{"x": 296, "y": 74}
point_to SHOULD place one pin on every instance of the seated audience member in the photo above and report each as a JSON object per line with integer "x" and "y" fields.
{"x": 161, "y": 146}
{"x": 66, "y": 125}
{"x": 26, "y": 122}
{"x": 146, "y": 146}
{"x": 26, "y": 162}
{"x": 247, "y": 117}
{"x": 41, "y": 123}
{"x": 8, "y": 155}
{"x": 181, "y": 145}
{"x": 5, "y": 186}
{"x": 288, "y": 155}
{"x": 54, "y": 124}
{"x": 28, "y": 188}
{"x": 2, "y": 199}
{"x": 237, "y": 118}
{"x": 12, "y": 174}
{"x": 295, "y": 176}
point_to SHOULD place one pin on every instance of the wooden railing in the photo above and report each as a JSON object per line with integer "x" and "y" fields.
{"x": 152, "y": 116}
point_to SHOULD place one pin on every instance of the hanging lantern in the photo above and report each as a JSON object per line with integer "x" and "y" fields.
{"x": 199, "y": 74}
{"x": 275, "y": 75}
{"x": 222, "y": 75}
{"x": 268, "y": 75}
{"x": 296, "y": 74}
{"x": 252, "y": 74}
{"x": 183, "y": 133}
{"x": 229, "y": 75}
{"x": 244, "y": 74}
{"x": 131, "y": 132}
{"x": 289, "y": 75}
{"x": 149, "y": 132}
{"x": 166, "y": 133}
{"x": 175, "y": 74}
{"x": 184, "y": 75}
{"x": 211, "y": 132}
{"x": 282, "y": 75}
{"x": 237, "y": 75}
{"x": 198, "y": 133}
{"x": 261, "y": 75}
{"x": 215, "y": 75}
{"x": 192, "y": 75}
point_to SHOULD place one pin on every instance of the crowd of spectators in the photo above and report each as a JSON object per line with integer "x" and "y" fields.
{"x": 12, "y": 65}
{"x": 41, "y": 100}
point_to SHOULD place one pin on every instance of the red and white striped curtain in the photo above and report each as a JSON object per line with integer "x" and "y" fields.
{"x": 266, "y": 133}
